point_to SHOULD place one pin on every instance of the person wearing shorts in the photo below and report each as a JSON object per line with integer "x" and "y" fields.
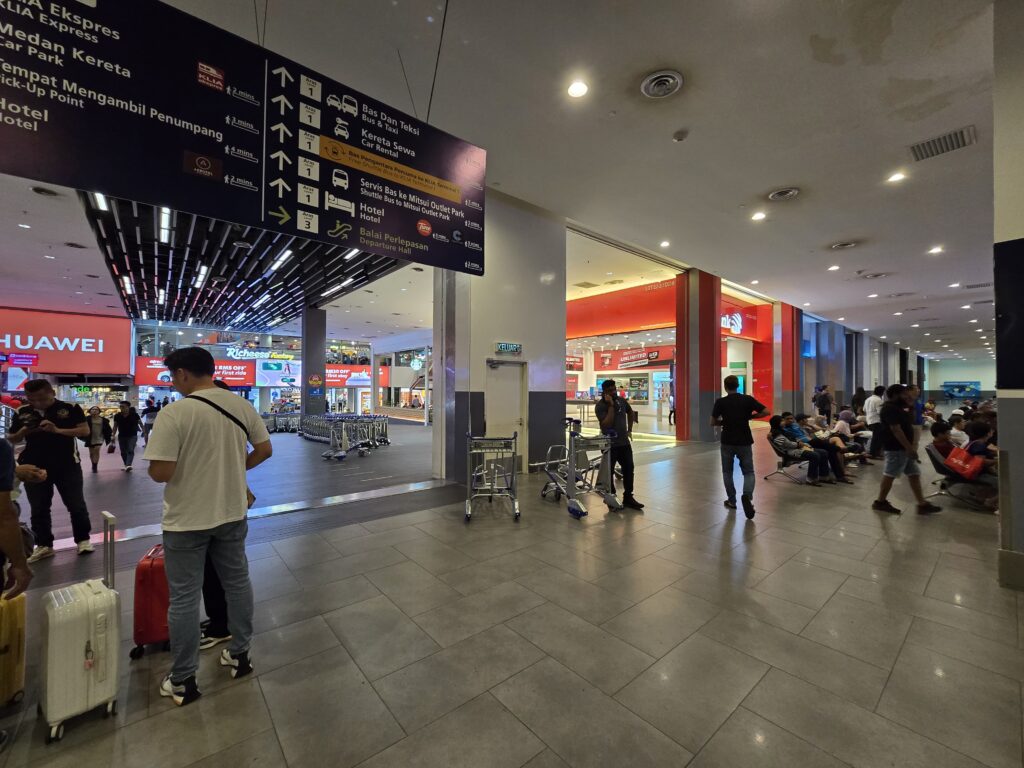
{"x": 900, "y": 450}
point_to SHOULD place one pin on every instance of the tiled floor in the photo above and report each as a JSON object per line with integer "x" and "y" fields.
{"x": 820, "y": 634}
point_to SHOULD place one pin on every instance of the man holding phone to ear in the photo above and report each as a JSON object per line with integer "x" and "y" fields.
{"x": 617, "y": 418}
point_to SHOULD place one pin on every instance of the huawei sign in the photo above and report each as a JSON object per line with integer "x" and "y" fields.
{"x": 67, "y": 343}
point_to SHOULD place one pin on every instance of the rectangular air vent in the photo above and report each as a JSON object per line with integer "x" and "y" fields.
{"x": 976, "y": 286}
{"x": 948, "y": 142}
{"x": 985, "y": 301}
{"x": 584, "y": 285}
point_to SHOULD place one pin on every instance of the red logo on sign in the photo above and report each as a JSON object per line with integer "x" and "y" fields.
{"x": 209, "y": 76}
{"x": 424, "y": 228}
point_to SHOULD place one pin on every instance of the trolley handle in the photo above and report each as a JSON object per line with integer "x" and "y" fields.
{"x": 109, "y": 526}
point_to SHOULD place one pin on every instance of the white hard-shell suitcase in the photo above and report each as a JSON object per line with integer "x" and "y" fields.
{"x": 81, "y": 642}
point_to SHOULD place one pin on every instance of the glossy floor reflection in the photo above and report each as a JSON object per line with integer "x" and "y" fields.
{"x": 819, "y": 634}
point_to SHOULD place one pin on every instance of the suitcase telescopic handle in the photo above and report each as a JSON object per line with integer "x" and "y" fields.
{"x": 109, "y": 524}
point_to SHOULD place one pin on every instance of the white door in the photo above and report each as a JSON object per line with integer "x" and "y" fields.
{"x": 503, "y": 403}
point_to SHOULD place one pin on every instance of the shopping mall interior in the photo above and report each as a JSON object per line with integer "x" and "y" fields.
{"x": 417, "y": 239}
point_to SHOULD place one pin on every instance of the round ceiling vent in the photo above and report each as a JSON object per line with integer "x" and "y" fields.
{"x": 660, "y": 84}
{"x": 680, "y": 135}
{"x": 843, "y": 244}
{"x": 45, "y": 192}
{"x": 786, "y": 193}
{"x": 75, "y": 245}
{"x": 872, "y": 275}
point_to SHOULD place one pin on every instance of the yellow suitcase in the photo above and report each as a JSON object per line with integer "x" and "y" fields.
{"x": 12, "y": 650}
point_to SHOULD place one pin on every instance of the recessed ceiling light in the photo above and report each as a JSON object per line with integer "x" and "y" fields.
{"x": 928, "y": 333}
{"x": 833, "y": 268}
{"x": 983, "y": 337}
{"x": 759, "y": 216}
{"x": 864, "y": 330}
{"x": 840, "y": 319}
{"x": 897, "y": 177}
{"x": 754, "y": 282}
{"x": 954, "y": 285}
{"x": 665, "y": 243}
{"x": 897, "y": 314}
{"x": 48, "y": 256}
{"x": 966, "y": 306}
{"x": 609, "y": 273}
{"x": 883, "y": 337}
{"x": 25, "y": 226}
{"x": 916, "y": 325}
{"x": 578, "y": 88}
{"x": 945, "y": 346}
{"x": 973, "y": 321}
{"x": 935, "y": 249}
{"x": 872, "y": 295}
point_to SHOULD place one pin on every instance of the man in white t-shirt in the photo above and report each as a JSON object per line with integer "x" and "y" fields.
{"x": 198, "y": 448}
{"x": 873, "y": 419}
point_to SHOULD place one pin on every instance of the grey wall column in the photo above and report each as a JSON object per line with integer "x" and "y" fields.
{"x": 314, "y": 360}
{"x": 831, "y": 359}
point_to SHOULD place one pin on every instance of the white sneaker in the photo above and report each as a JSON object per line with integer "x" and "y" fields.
{"x": 85, "y": 548}
{"x": 40, "y": 553}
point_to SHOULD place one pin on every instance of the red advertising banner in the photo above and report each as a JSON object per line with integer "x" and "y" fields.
{"x": 355, "y": 375}
{"x": 624, "y": 359}
{"x": 574, "y": 362}
{"x": 572, "y": 385}
{"x": 151, "y": 372}
{"x": 68, "y": 343}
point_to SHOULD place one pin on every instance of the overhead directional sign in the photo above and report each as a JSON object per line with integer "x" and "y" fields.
{"x": 136, "y": 99}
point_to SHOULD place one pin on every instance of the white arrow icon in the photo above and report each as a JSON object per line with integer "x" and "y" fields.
{"x": 281, "y": 158}
{"x": 285, "y": 75}
{"x": 281, "y": 129}
{"x": 281, "y": 187}
{"x": 281, "y": 102}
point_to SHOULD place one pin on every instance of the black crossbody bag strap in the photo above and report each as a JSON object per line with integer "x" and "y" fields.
{"x": 213, "y": 405}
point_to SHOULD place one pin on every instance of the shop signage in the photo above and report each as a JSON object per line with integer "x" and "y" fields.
{"x": 66, "y": 343}
{"x": 22, "y": 360}
{"x": 245, "y": 353}
{"x": 315, "y": 391}
{"x": 416, "y": 364}
{"x": 574, "y": 362}
{"x": 733, "y": 322}
{"x": 278, "y": 373}
{"x": 624, "y": 359}
{"x": 227, "y": 129}
{"x": 508, "y": 348}
{"x": 151, "y": 372}
{"x": 355, "y": 375}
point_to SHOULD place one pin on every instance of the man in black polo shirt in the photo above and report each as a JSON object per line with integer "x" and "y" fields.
{"x": 49, "y": 428}
{"x": 733, "y": 414}
{"x": 900, "y": 446}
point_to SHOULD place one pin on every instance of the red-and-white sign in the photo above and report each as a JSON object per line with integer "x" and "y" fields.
{"x": 574, "y": 362}
{"x": 151, "y": 372}
{"x": 355, "y": 375}
{"x": 624, "y": 359}
{"x": 68, "y": 343}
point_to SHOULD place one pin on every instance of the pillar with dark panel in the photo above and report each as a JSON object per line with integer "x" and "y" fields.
{"x": 1008, "y": 113}
{"x": 787, "y": 333}
{"x": 698, "y": 353}
{"x": 313, "y": 381}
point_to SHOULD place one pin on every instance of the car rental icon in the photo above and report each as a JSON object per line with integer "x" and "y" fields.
{"x": 340, "y": 128}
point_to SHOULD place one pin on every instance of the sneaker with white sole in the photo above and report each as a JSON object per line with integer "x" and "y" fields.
{"x": 208, "y": 641}
{"x": 40, "y": 553}
{"x": 240, "y": 663}
{"x": 85, "y": 547}
{"x": 181, "y": 693}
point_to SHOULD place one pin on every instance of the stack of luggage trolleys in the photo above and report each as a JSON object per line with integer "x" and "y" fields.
{"x": 493, "y": 466}
{"x": 347, "y": 432}
{"x": 571, "y": 471}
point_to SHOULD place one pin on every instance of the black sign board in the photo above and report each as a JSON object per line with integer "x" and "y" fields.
{"x": 1009, "y": 277}
{"x": 135, "y": 99}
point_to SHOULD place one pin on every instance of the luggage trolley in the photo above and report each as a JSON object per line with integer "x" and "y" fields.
{"x": 579, "y": 474}
{"x": 491, "y": 465}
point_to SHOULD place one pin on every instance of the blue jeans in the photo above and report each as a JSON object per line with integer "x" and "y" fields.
{"x": 184, "y": 561}
{"x": 745, "y": 453}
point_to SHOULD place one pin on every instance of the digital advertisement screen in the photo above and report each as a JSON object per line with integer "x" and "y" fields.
{"x": 151, "y": 372}
{"x": 278, "y": 373}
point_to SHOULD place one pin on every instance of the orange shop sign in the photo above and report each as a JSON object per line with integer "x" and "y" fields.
{"x": 68, "y": 343}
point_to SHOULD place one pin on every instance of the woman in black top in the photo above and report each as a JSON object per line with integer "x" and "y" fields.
{"x": 99, "y": 433}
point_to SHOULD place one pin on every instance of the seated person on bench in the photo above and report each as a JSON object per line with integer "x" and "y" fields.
{"x": 941, "y": 438}
{"x": 799, "y": 450}
{"x": 979, "y": 431}
{"x": 956, "y": 430}
{"x": 794, "y": 429}
{"x": 848, "y": 429}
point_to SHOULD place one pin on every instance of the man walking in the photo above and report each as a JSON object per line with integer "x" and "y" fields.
{"x": 873, "y": 420}
{"x": 900, "y": 451}
{"x": 733, "y": 414}
{"x": 198, "y": 448}
{"x": 127, "y": 426}
{"x": 49, "y": 428}
{"x": 616, "y": 418}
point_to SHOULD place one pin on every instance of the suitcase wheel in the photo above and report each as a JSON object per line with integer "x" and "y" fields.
{"x": 137, "y": 652}
{"x": 56, "y": 733}
{"x": 111, "y": 708}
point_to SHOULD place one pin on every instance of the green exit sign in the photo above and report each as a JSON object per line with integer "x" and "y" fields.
{"x": 508, "y": 348}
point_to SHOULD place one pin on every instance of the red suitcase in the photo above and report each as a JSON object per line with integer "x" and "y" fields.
{"x": 151, "y": 601}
